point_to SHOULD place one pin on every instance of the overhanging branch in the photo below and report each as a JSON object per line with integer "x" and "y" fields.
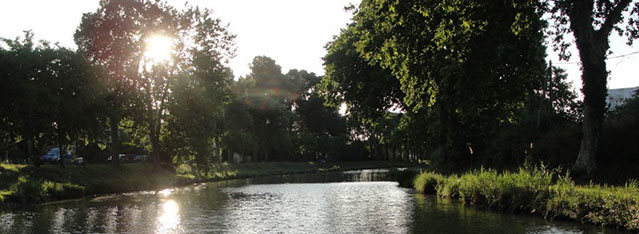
{"x": 613, "y": 18}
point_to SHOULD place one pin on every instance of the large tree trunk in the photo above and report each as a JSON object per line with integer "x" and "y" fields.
{"x": 115, "y": 139}
{"x": 592, "y": 46}
{"x": 594, "y": 78}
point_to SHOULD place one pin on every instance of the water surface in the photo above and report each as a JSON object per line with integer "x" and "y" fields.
{"x": 332, "y": 202}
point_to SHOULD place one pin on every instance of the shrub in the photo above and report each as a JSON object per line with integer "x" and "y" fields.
{"x": 449, "y": 188}
{"x": 29, "y": 190}
{"x": 425, "y": 182}
{"x": 61, "y": 190}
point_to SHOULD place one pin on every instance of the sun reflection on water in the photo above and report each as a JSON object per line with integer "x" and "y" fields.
{"x": 165, "y": 192}
{"x": 169, "y": 219}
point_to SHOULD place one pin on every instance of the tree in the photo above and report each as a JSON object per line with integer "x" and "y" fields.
{"x": 320, "y": 130}
{"x": 591, "y": 23}
{"x": 470, "y": 64}
{"x": 52, "y": 93}
{"x": 71, "y": 84}
{"x": 197, "y": 108}
{"x": 114, "y": 37}
{"x": 22, "y": 116}
{"x": 366, "y": 88}
{"x": 110, "y": 38}
{"x": 201, "y": 46}
{"x": 269, "y": 101}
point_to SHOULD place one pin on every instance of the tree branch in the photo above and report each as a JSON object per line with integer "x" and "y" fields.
{"x": 613, "y": 18}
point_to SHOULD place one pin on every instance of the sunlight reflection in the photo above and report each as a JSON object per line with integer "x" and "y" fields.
{"x": 165, "y": 192}
{"x": 169, "y": 218}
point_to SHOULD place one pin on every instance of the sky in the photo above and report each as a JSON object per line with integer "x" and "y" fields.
{"x": 292, "y": 32}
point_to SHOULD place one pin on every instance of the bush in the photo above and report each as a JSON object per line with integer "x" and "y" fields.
{"x": 61, "y": 190}
{"x": 426, "y": 182}
{"x": 449, "y": 188}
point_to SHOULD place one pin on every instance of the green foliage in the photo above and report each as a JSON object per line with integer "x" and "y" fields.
{"x": 464, "y": 67}
{"x": 50, "y": 95}
{"x": 59, "y": 191}
{"x": 426, "y": 182}
{"x": 112, "y": 38}
{"x": 542, "y": 191}
{"x": 584, "y": 19}
{"x": 29, "y": 190}
{"x": 34, "y": 190}
{"x": 368, "y": 90}
{"x": 268, "y": 98}
{"x": 449, "y": 188}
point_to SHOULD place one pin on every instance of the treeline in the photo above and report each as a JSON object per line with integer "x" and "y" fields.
{"x": 458, "y": 83}
{"x": 108, "y": 98}
{"x": 465, "y": 84}
{"x": 54, "y": 97}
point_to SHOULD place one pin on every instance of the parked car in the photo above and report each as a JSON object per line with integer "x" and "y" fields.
{"x": 78, "y": 161}
{"x": 122, "y": 158}
{"x": 53, "y": 156}
{"x": 140, "y": 158}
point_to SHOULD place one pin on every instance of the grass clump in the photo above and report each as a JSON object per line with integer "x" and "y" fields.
{"x": 449, "y": 187}
{"x": 542, "y": 191}
{"x": 425, "y": 182}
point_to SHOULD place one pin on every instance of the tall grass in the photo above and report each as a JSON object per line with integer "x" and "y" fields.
{"x": 542, "y": 191}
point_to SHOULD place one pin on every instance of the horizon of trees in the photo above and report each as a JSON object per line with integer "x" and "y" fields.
{"x": 459, "y": 83}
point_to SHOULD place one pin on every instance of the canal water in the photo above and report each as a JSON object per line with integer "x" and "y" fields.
{"x": 329, "y": 202}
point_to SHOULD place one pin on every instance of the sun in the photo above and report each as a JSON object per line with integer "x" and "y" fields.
{"x": 158, "y": 48}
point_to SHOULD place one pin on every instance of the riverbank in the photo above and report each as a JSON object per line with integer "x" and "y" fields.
{"x": 27, "y": 185}
{"x": 539, "y": 191}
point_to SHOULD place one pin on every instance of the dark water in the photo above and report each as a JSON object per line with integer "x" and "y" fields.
{"x": 336, "y": 202}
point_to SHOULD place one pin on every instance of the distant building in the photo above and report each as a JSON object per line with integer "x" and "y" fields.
{"x": 616, "y": 97}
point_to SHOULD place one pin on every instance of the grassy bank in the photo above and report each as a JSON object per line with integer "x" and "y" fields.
{"x": 22, "y": 184}
{"x": 539, "y": 191}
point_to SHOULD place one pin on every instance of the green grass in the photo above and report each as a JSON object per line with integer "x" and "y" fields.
{"x": 539, "y": 191}
{"x": 24, "y": 184}
{"x": 426, "y": 182}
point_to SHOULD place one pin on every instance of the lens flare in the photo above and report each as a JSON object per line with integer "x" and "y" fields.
{"x": 158, "y": 48}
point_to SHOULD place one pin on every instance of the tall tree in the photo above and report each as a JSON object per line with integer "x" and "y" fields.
{"x": 319, "y": 128}
{"x": 366, "y": 88}
{"x": 51, "y": 91}
{"x": 470, "y": 63}
{"x": 118, "y": 36}
{"x": 591, "y": 22}
{"x": 269, "y": 100}
{"x": 22, "y": 116}
{"x": 110, "y": 38}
